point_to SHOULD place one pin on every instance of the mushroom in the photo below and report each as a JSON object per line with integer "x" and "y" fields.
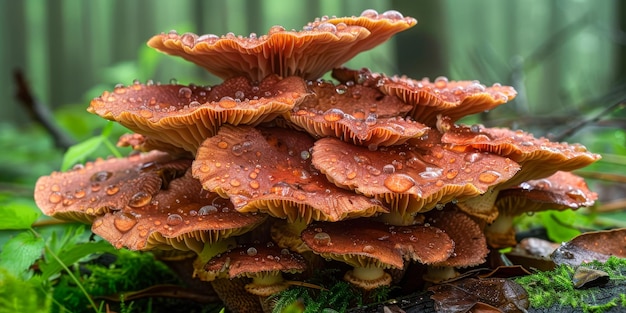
{"x": 355, "y": 113}
{"x": 269, "y": 170}
{"x": 92, "y": 189}
{"x": 538, "y": 157}
{"x": 320, "y": 46}
{"x": 264, "y": 264}
{"x": 410, "y": 178}
{"x": 371, "y": 247}
{"x": 453, "y": 99}
{"x": 470, "y": 245}
{"x": 562, "y": 190}
{"x": 183, "y": 116}
{"x": 182, "y": 217}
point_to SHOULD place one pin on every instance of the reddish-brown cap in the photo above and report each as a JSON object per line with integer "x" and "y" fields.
{"x": 251, "y": 261}
{"x": 183, "y": 116}
{"x": 562, "y": 190}
{"x": 320, "y": 46}
{"x": 183, "y": 216}
{"x": 453, "y": 99}
{"x": 356, "y": 113}
{"x": 101, "y": 186}
{"x": 470, "y": 245}
{"x": 270, "y": 170}
{"x": 411, "y": 179}
{"x": 142, "y": 143}
{"x": 538, "y": 157}
{"x": 363, "y": 243}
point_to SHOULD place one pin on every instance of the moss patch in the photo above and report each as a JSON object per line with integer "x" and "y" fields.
{"x": 555, "y": 288}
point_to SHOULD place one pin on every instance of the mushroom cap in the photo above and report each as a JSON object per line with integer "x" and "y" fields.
{"x": 470, "y": 245}
{"x": 182, "y": 216}
{"x": 142, "y": 143}
{"x": 253, "y": 261}
{"x": 363, "y": 243}
{"x": 183, "y": 116}
{"x": 270, "y": 170}
{"x": 560, "y": 191}
{"x": 410, "y": 178}
{"x": 101, "y": 186}
{"x": 538, "y": 157}
{"x": 453, "y": 99}
{"x": 358, "y": 114}
{"x": 320, "y": 46}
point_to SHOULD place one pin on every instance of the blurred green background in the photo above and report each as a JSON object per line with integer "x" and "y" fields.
{"x": 566, "y": 58}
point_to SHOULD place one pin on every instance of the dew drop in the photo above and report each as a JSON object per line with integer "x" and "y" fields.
{"x": 475, "y": 128}
{"x": 333, "y": 115}
{"x": 124, "y": 222}
{"x": 370, "y": 13}
{"x": 80, "y": 193}
{"x": 237, "y": 149}
{"x": 55, "y": 197}
{"x": 206, "y": 210}
{"x": 251, "y": 251}
{"x": 239, "y": 95}
{"x": 174, "y": 219}
{"x": 392, "y": 15}
{"x": 368, "y": 249}
{"x": 254, "y": 184}
{"x": 327, "y": 27}
{"x": 322, "y": 239}
{"x": 488, "y": 177}
{"x": 111, "y": 189}
{"x": 140, "y": 199}
{"x": 235, "y": 182}
{"x": 473, "y": 157}
{"x": 399, "y": 182}
{"x": 189, "y": 39}
{"x": 452, "y": 173}
{"x": 389, "y": 169}
{"x": 441, "y": 82}
{"x": 184, "y": 92}
{"x": 222, "y": 144}
{"x": 101, "y": 176}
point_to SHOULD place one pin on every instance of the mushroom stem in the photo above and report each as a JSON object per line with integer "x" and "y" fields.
{"x": 437, "y": 274}
{"x": 368, "y": 277}
{"x": 500, "y": 234}
{"x": 209, "y": 251}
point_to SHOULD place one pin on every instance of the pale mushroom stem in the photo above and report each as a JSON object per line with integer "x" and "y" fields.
{"x": 209, "y": 251}
{"x": 368, "y": 277}
{"x": 500, "y": 234}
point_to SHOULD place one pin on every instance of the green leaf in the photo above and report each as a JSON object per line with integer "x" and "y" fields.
{"x": 17, "y": 214}
{"x": 79, "y": 152}
{"x": 17, "y": 295}
{"x": 559, "y": 225}
{"x": 21, "y": 251}
{"x": 71, "y": 255}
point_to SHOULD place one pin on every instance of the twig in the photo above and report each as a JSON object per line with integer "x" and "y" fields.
{"x": 40, "y": 112}
{"x": 576, "y": 127}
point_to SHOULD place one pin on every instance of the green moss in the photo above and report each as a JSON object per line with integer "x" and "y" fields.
{"x": 555, "y": 288}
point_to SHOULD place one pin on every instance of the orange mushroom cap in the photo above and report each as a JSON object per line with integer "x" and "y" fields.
{"x": 453, "y": 99}
{"x": 183, "y": 116}
{"x": 355, "y": 113}
{"x": 470, "y": 245}
{"x": 365, "y": 243}
{"x": 250, "y": 261}
{"x": 410, "y": 178}
{"x": 538, "y": 157}
{"x": 101, "y": 186}
{"x": 560, "y": 191}
{"x": 320, "y": 46}
{"x": 270, "y": 170}
{"x": 182, "y": 216}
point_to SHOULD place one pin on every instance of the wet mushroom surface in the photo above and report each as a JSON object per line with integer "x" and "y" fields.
{"x": 369, "y": 171}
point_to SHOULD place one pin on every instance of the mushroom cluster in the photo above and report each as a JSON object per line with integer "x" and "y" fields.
{"x": 367, "y": 169}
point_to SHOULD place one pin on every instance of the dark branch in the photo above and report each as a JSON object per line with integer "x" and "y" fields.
{"x": 39, "y": 112}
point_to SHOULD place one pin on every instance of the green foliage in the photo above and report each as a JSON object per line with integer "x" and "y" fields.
{"x": 19, "y": 253}
{"x": 79, "y": 152}
{"x": 547, "y": 289}
{"x": 17, "y": 213}
{"x": 18, "y": 295}
{"x": 336, "y": 295}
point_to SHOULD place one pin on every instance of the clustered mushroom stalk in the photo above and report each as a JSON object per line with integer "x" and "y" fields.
{"x": 375, "y": 163}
